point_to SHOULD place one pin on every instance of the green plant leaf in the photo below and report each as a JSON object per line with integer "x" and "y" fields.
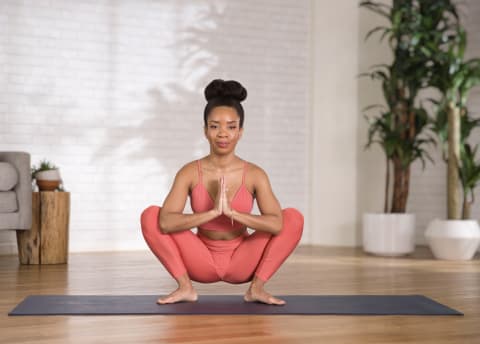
{"x": 376, "y": 29}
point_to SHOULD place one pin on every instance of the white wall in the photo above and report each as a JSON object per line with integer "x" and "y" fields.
{"x": 112, "y": 92}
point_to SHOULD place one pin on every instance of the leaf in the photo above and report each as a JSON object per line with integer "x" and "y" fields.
{"x": 373, "y": 106}
{"x": 376, "y": 7}
{"x": 386, "y": 32}
{"x": 372, "y": 31}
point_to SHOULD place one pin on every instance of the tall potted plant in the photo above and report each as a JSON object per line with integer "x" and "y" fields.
{"x": 457, "y": 237}
{"x": 401, "y": 128}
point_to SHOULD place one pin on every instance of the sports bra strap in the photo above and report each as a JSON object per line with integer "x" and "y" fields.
{"x": 199, "y": 171}
{"x": 244, "y": 172}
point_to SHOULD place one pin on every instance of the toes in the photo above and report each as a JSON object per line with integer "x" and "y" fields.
{"x": 163, "y": 301}
{"x": 166, "y": 299}
{"x": 264, "y": 298}
{"x": 275, "y": 301}
{"x": 177, "y": 297}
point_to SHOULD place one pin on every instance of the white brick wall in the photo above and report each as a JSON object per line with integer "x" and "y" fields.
{"x": 112, "y": 92}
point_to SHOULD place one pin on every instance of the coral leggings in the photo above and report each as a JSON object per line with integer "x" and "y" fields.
{"x": 233, "y": 261}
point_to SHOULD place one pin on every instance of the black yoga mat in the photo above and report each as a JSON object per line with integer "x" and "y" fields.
{"x": 232, "y": 304}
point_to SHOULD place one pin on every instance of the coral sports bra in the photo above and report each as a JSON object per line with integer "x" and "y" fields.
{"x": 201, "y": 201}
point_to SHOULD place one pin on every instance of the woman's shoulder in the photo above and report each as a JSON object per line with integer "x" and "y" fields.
{"x": 256, "y": 177}
{"x": 188, "y": 169}
{"x": 188, "y": 174}
{"x": 255, "y": 170}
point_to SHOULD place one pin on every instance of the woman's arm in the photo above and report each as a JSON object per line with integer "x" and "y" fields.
{"x": 172, "y": 219}
{"x": 270, "y": 220}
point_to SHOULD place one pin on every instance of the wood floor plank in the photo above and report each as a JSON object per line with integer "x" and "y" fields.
{"x": 310, "y": 270}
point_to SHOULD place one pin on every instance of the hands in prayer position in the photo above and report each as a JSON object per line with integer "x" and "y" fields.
{"x": 221, "y": 201}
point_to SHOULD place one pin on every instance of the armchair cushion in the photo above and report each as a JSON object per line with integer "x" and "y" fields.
{"x": 8, "y": 176}
{"x": 8, "y": 202}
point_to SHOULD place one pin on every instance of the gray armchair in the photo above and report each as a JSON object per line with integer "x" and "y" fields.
{"x": 15, "y": 191}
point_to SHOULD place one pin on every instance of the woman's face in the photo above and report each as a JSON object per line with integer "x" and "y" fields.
{"x": 223, "y": 129}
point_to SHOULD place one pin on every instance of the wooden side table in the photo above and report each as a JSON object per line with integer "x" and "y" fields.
{"x": 47, "y": 241}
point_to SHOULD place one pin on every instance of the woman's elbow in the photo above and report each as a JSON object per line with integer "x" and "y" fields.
{"x": 163, "y": 225}
{"x": 278, "y": 225}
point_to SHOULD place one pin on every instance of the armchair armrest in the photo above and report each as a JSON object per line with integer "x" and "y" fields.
{"x": 21, "y": 161}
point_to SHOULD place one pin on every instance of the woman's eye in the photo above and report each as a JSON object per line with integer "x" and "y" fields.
{"x": 232, "y": 127}
{"x": 213, "y": 127}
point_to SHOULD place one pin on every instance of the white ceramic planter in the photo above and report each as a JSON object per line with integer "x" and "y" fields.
{"x": 388, "y": 234}
{"x": 48, "y": 175}
{"x": 453, "y": 239}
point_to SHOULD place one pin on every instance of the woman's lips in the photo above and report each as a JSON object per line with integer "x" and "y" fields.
{"x": 222, "y": 144}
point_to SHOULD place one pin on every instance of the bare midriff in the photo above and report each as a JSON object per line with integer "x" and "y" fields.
{"x": 217, "y": 235}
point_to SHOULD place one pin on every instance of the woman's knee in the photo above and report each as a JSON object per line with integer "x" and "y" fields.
{"x": 293, "y": 221}
{"x": 149, "y": 218}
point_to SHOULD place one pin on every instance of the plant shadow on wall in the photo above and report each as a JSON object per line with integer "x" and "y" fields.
{"x": 164, "y": 133}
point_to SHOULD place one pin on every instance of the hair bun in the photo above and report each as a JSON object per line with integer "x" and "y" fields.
{"x": 225, "y": 89}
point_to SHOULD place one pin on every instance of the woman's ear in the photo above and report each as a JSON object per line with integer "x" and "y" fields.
{"x": 240, "y": 133}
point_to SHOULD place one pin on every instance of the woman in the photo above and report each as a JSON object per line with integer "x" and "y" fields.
{"x": 222, "y": 188}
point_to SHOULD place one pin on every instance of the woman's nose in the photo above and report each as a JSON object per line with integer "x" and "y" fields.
{"x": 222, "y": 131}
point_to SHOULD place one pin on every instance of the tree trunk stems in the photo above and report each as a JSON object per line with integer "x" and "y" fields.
{"x": 387, "y": 186}
{"x": 453, "y": 180}
{"x": 401, "y": 181}
{"x": 401, "y": 174}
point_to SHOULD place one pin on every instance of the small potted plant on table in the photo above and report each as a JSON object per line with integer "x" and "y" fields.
{"x": 46, "y": 176}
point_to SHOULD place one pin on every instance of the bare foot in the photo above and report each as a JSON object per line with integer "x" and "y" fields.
{"x": 181, "y": 294}
{"x": 261, "y": 295}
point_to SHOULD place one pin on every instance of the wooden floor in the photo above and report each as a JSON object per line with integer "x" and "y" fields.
{"x": 310, "y": 270}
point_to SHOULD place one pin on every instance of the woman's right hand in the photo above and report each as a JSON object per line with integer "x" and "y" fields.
{"x": 218, "y": 200}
